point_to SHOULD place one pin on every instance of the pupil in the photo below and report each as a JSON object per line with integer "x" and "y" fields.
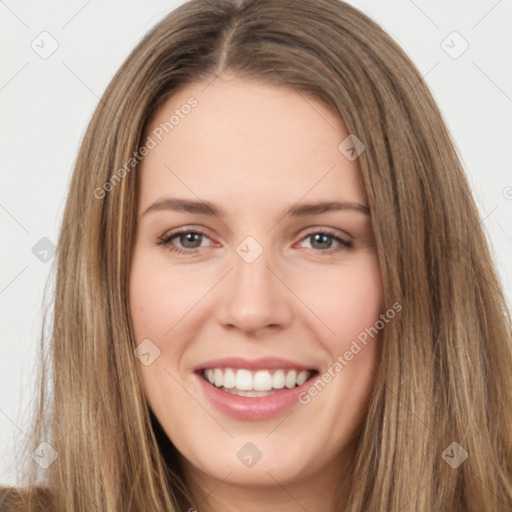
{"x": 320, "y": 236}
{"x": 189, "y": 237}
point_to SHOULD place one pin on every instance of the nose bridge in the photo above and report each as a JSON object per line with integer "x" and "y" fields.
{"x": 254, "y": 296}
{"x": 251, "y": 272}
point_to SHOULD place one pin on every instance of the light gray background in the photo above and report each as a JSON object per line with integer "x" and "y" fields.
{"x": 46, "y": 104}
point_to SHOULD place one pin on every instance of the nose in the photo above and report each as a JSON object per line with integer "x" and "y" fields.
{"x": 254, "y": 296}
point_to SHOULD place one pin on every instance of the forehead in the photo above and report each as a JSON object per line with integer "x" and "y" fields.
{"x": 249, "y": 142}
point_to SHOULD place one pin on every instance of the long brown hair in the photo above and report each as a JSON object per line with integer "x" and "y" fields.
{"x": 445, "y": 373}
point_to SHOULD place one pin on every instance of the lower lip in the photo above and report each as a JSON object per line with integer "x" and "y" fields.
{"x": 252, "y": 408}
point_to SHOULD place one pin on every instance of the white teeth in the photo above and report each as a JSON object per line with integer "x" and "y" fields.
{"x": 278, "y": 379}
{"x": 217, "y": 375}
{"x": 250, "y": 393}
{"x": 243, "y": 380}
{"x": 229, "y": 378}
{"x": 291, "y": 379}
{"x": 262, "y": 381}
{"x": 257, "y": 383}
{"x": 301, "y": 377}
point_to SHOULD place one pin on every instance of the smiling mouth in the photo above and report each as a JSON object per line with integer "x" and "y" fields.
{"x": 256, "y": 383}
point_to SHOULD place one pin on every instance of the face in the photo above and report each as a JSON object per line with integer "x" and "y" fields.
{"x": 236, "y": 280}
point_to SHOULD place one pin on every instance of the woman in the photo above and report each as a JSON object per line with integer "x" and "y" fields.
{"x": 260, "y": 369}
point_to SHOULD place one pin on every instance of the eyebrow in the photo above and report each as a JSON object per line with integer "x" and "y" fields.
{"x": 207, "y": 208}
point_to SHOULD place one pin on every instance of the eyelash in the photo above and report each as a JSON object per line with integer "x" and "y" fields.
{"x": 165, "y": 241}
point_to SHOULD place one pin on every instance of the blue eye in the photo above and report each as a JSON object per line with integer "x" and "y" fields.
{"x": 190, "y": 237}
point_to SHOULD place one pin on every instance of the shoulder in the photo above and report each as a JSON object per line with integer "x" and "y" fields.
{"x": 15, "y": 499}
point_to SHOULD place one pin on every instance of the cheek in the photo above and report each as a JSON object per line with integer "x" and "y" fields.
{"x": 349, "y": 305}
{"x": 160, "y": 296}
{"x": 346, "y": 301}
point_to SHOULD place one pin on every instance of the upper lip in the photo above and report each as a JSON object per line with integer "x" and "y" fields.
{"x": 263, "y": 363}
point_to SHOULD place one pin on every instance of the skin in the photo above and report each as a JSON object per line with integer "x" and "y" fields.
{"x": 255, "y": 150}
